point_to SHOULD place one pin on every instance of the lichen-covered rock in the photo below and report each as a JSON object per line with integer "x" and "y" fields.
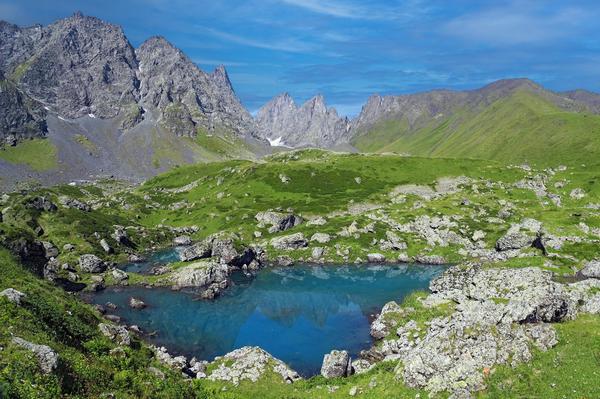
{"x": 278, "y": 221}
{"x": 200, "y": 274}
{"x": 91, "y": 264}
{"x": 591, "y": 269}
{"x": 74, "y": 203}
{"x": 249, "y": 363}
{"x": 336, "y": 364}
{"x": 321, "y": 238}
{"x": 199, "y": 250}
{"x": 498, "y": 316}
{"x": 119, "y": 275}
{"x": 13, "y": 295}
{"x": 136, "y": 303}
{"x": 118, "y": 334}
{"x": 47, "y": 358}
{"x": 290, "y": 242}
{"x": 380, "y": 327}
{"x": 375, "y": 258}
{"x": 182, "y": 240}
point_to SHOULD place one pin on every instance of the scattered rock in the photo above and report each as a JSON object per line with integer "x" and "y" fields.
{"x": 119, "y": 275}
{"x": 89, "y": 263}
{"x": 136, "y": 303}
{"x": 290, "y": 242}
{"x": 50, "y": 250}
{"x": 106, "y": 247}
{"x": 47, "y": 358}
{"x": 182, "y": 241}
{"x": 41, "y": 204}
{"x": 13, "y": 295}
{"x": 250, "y": 363}
{"x": 431, "y": 260}
{"x": 577, "y": 194}
{"x": 278, "y": 221}
{"x": 321, "y": 238}
{"x": 118, "y": 334}
{"x": 336, "y": 364}
{"x": 74, "y": 203}
{"x": 375, "y": 258}
{"x": 591, "y": 269}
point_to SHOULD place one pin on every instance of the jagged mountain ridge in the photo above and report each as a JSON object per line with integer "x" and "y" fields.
{"x": 311, "y": 124}
{"x": 82, "y": 66}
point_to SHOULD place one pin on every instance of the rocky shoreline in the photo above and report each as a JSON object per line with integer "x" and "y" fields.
{"x": 492, "y": 316}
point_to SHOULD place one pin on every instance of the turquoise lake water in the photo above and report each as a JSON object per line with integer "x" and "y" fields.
{"x": 297, "y": 314}
{"x": 162, "y": 257}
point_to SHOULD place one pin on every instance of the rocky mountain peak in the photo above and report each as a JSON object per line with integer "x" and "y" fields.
{"x": 221, "y": 78}
{"x": 312, "y": 124}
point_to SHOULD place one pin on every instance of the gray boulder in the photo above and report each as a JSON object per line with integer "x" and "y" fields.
{"x": 290, "y": 242}
{"x": 13, "y": 295}
{"x": 375, "y": 258}
{"x": 278, "y": 221}
{"x": 249, "y": 363}
{"x": 47, "y": 358}
{"x": 118, "y": 334}
{"x": 74, "y": 204}
{"x": 50, "y": 249}
{"x": 199, "y": 250}
{"x": 321, "y": 238}
{"x": 336, "y": 364}
{"x": 182, "y": 240}
{"x": 516, "y": 240}
{"x": 136, "y": 303}
{"x": 89, "y": 263}
{"x": 591, "y": 269}
{"x": 42, "y": 204}
{"x": 106, "y": 247}
{"x": 119, "y": 275}
{"x": 200, "y": 274}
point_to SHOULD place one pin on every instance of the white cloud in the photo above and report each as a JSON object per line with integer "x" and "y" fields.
{"x": 516, "y": 24}
{"x": 290, "y": 44}
{"x": 352, "y": 10}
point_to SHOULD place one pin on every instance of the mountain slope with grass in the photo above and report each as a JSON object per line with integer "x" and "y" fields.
{"x": 511, "y": 121}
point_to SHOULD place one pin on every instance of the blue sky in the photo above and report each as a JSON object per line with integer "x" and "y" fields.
{"x": 350, "y": 49}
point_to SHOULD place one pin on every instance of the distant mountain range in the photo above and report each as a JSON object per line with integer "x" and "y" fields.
{"x": 109, "y": 109}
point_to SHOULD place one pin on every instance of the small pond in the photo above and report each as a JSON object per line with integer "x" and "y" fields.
{"x": 297, "y": 314}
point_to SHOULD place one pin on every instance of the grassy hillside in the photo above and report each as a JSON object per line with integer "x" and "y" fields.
{"x": 522, "y": 127}
{"x": 38, "y": 154}
{"x": 225, "y": 196}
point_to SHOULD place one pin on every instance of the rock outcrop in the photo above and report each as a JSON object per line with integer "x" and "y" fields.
{"x": 249, "y": 363}
{"x": 90, "y": 263}
{"x": 46, "y": 357}
{"x": 82, "y": 66}
{"x": 336, "y": 364}
{"x": 13, "y": 295}
{"x": 311, "y": 125}
{"x": 496, "y": 317}
{"x": 289, "y": 242}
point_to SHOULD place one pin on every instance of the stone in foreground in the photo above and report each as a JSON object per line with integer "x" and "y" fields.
{"x": 250, "y": 363}
{"x": 336, "y": 364}
{"x": 47, "y": 358}
{"x": 13, "y": 295}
